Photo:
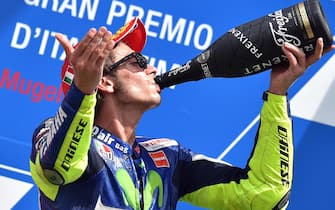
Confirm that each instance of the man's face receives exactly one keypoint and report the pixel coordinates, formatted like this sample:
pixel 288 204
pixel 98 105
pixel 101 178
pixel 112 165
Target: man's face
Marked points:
pixel 134 84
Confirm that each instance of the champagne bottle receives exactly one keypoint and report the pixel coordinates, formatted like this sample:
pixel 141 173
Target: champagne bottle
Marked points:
pixel 255 46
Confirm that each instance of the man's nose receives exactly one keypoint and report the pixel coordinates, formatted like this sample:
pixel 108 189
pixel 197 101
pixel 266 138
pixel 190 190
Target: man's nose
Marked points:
pixel 151 70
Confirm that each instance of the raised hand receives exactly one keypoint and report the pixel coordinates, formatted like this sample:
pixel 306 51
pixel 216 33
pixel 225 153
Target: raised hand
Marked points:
pixel 88 58
pixel 282 77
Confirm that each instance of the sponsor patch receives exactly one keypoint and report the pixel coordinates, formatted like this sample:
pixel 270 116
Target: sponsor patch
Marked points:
pixel 104 150
pixel 156 144
pixel 160 159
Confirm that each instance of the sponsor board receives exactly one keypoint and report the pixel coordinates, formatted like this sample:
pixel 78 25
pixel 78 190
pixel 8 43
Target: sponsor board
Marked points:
pixel 217 117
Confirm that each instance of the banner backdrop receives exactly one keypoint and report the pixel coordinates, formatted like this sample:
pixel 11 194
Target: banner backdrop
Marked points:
pixel 217 117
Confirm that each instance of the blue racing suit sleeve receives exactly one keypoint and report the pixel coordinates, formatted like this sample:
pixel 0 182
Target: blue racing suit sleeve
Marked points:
pixel 61 143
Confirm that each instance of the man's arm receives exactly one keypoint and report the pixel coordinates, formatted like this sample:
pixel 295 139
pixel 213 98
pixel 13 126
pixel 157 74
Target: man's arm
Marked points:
pixel 266 181
pixel 60 145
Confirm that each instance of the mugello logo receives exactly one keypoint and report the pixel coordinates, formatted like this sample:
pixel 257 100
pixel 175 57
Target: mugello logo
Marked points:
pixel 37 91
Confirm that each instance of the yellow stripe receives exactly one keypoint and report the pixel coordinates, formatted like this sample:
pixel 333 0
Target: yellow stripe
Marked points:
pixel 72 158
pixel 50 190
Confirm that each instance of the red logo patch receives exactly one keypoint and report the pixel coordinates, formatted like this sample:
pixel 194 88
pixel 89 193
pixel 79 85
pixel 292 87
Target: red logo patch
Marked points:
pixel 160 159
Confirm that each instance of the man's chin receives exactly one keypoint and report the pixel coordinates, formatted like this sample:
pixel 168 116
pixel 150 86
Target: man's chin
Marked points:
pixel 156 104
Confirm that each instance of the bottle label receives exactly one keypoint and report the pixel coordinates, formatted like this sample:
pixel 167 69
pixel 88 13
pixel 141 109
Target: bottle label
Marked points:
pixel 280 33
pixel 305 20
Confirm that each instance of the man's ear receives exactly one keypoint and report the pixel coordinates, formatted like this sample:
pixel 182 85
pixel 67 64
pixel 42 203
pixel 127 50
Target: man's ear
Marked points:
pixel 106 85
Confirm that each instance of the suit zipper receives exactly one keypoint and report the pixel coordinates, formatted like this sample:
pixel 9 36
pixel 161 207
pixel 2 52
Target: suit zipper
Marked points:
pixel 141 194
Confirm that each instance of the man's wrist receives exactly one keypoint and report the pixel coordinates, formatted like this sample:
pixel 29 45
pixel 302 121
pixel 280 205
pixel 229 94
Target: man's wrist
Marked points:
pixel 277 92
pixel 267 95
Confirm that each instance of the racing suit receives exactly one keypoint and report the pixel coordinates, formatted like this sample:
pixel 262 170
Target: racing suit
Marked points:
pixel 79 165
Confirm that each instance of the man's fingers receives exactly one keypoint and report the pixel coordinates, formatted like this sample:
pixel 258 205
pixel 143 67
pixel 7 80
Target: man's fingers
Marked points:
pixel 65 44
pixel 332 47
pixel 104 48
pixel 92 48
pixel 85 41
pixel 317 53
pixel 291 53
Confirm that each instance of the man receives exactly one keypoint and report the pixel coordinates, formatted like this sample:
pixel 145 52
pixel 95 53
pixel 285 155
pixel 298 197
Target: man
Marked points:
pixel 89 157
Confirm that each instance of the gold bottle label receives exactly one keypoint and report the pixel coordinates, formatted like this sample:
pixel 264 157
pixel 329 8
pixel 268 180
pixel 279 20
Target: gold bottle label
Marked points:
pixel 305 20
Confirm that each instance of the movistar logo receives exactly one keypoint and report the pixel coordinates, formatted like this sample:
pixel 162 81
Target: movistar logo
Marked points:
pixel 132 194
